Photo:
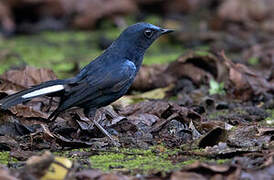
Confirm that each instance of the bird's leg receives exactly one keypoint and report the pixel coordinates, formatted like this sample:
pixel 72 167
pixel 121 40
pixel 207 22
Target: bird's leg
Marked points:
pixel 91 115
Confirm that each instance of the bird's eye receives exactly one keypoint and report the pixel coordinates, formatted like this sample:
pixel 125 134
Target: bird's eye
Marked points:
pixel 148 33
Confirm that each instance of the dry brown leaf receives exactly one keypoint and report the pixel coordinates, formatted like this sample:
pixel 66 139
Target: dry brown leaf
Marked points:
pixel 187 175
pixel 5 175
pixel 148 78
pixel 200 68
pixel 27 112
pixel 205 171
pixel 28 76
pixel 213 137
pixel 243 82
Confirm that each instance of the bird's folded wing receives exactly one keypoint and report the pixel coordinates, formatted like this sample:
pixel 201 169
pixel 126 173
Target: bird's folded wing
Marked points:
pixel 106 82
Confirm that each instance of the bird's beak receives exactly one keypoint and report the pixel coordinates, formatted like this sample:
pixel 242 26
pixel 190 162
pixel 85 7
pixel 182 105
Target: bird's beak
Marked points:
pixel 166 31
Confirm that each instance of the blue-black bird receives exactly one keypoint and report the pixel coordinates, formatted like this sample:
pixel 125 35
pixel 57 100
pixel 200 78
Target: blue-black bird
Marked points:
pixel 103 80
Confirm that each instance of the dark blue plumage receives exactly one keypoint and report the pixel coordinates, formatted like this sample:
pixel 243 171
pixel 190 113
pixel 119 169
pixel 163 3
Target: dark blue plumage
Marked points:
pixel 102 81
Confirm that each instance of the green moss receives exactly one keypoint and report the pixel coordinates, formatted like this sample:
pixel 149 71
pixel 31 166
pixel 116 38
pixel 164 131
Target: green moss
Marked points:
pixel 155 159
pixel 253 61
pixel 132 160
pixel 222 161
pixel 55 50
pixel 184 163
pixel 173 98
pixel 201 53
pixel 5 158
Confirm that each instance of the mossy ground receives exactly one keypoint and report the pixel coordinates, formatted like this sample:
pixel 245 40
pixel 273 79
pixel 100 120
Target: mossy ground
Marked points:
pixel 5 158
pixel 134 161
pixel 155 159
pixel 61 50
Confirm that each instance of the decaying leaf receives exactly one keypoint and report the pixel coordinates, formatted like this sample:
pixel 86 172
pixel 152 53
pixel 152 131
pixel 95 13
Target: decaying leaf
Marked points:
pixel 26 77
pixel 148 78
pixel 159 93
pixel 5 175
pixel 245 136
pixel 8 143
pixel 213 137
pixel 198 67
pixel 243 82
pixel 187 175
pixel 202 171
pixel 27 112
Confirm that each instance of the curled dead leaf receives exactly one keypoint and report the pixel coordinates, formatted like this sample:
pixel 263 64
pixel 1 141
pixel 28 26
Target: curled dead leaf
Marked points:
pixel 243 82
pixel 200 67
pixel 27 112
pixel 199 170
pixel 147 78
pixel 213 137
pixel 25 78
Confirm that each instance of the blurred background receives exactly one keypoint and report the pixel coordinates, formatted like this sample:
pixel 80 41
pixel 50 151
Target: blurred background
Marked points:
pixel 64 35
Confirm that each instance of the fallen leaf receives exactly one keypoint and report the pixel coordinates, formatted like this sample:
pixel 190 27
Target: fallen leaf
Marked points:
pixel 187 175
pixel 7 143
pixel 148 78
pixel 159 93
pixel 28 76
pixel 5 175
pixel 243 82
pixel 27 112
pixel 206 171
pixel 246 136
pixel 198 67
pixel 213 137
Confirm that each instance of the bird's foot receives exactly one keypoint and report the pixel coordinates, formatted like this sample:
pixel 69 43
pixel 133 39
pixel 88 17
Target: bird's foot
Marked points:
pixel 113 141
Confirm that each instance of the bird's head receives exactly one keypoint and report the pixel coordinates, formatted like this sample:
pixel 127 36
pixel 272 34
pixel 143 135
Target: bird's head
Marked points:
pixel 138 37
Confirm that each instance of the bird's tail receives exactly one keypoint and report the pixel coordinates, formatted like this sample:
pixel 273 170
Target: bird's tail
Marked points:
pixel 45 88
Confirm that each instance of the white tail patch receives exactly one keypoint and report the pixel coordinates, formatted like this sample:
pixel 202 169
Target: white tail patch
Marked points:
pixel 43 91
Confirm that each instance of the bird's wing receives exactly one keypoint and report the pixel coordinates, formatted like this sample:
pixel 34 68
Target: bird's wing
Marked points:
pixel 107 81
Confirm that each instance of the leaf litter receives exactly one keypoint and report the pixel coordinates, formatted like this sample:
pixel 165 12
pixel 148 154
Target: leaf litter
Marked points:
pixel 25 128
pixel 206 115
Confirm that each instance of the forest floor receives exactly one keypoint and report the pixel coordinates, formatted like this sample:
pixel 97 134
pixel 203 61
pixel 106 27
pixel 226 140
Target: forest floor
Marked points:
pixel 192 112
